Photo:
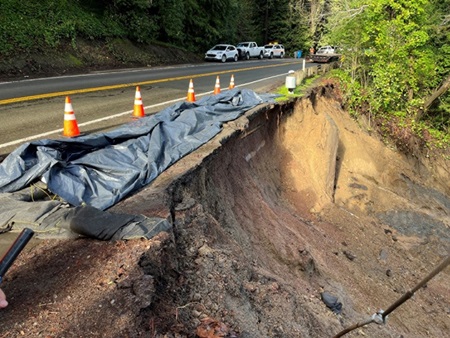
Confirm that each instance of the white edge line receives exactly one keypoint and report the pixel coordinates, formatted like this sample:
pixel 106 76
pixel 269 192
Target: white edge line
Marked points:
pixel 30 138
pixel 96 73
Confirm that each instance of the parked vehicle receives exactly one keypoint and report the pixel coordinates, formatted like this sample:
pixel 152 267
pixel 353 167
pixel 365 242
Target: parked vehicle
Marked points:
pixel 249 50
pixel 326 54
pixel 326 50
pixel 271 51
pixel 222 52
pixel 325 58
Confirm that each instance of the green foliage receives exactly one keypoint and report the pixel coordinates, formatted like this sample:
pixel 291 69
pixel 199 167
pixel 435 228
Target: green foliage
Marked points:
pixel 283 21
pixel 437 139
pixel 398 33
pixel 171 20
pixel 355 101
pixel 395 55
pixel 440 38
pixel 195 25
pixel 298 91
pixel 36 25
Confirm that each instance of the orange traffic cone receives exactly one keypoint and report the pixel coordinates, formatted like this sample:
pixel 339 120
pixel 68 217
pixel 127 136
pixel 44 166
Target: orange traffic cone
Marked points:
pixel 231 82
pixel 217 86
pixel 191 94
pixel 138 110
pixel 70 122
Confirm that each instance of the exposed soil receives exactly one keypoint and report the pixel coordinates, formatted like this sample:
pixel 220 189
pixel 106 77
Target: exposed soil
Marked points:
pixel 265 219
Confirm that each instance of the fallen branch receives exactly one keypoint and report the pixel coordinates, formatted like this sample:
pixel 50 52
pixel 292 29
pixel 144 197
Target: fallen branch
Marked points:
pixel 433 97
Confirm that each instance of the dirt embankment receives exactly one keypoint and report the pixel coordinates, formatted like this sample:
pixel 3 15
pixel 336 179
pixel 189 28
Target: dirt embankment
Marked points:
pixel 89 56
pixel 287 202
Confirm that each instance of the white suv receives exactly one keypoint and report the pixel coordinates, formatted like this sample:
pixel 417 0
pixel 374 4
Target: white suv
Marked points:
pixel 271 51
pixel 222 53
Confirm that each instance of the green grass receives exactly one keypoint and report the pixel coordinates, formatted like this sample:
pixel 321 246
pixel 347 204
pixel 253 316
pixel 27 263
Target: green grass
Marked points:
pixel 299 91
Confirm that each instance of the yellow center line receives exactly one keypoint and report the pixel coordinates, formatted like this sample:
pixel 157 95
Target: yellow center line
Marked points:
pixel 133 84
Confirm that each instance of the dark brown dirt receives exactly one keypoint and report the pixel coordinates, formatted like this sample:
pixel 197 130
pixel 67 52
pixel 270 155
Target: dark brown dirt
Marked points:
pixel 264 220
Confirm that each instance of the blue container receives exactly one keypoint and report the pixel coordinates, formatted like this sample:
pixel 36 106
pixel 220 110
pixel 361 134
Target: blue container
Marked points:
pixel 299 54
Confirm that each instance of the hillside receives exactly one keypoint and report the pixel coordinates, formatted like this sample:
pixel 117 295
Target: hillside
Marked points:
pixel 89 56
pixel 289 201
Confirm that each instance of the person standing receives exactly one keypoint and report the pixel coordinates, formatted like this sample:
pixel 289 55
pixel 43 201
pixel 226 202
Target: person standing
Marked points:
pixel 311 52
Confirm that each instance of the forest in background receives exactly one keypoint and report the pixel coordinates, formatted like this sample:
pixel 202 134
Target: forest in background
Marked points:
pixel 395 62
pixel 195 25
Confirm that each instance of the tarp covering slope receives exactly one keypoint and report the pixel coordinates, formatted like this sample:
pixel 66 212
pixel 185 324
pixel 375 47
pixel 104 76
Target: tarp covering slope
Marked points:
pixel 101 169
pixel 51 218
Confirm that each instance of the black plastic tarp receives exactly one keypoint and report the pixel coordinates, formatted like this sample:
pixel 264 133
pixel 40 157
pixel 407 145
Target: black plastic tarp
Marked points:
pixel 51 218
pixel 99 170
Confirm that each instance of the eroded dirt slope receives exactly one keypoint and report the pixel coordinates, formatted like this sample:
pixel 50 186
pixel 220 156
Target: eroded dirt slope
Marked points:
pixel 289 201
pixel 271 194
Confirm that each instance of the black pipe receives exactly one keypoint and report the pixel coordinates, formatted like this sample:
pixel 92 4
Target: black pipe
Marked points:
pixel 14 251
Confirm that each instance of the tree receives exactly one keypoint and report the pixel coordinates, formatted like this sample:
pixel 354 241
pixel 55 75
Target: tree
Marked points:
pixel 136 16
pixel 437 106
pixel 170 17
pixel 393 39
pixel 316 12
pixel 434 96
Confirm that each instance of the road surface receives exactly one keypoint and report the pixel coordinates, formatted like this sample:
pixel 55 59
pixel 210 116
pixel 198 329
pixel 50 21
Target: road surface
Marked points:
pixel 33 109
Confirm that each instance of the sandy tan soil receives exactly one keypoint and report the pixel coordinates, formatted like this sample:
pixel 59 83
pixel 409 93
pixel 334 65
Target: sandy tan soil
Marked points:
pixel 287 202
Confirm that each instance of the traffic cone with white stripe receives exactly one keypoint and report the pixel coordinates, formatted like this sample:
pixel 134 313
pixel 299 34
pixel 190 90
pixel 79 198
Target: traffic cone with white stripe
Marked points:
pixel 138 110
pixel 70 122
pixel 231 82
pixel 191 94
pixel 217 86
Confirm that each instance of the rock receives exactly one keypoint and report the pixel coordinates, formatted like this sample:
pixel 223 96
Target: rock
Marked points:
pixel 383 254
pixel 331 302
pixel 205 250
pixel 349 255
pixel 196 297
pixel 211 328
pixel 144 289
pixel 250 287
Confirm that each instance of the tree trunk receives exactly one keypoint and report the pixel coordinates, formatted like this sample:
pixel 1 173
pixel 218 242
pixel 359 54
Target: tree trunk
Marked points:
pixel 438 92
pixel 266 23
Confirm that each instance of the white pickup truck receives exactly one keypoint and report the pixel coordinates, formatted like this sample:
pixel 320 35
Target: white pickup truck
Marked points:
pixel 249 50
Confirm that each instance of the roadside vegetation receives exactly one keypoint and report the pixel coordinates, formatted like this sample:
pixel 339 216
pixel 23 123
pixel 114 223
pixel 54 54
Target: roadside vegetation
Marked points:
pixel 299 91
pixel 194 25
pixel 395 65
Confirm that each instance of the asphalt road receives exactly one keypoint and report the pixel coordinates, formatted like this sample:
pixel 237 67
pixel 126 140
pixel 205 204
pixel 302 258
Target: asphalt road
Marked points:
pixel 33 109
